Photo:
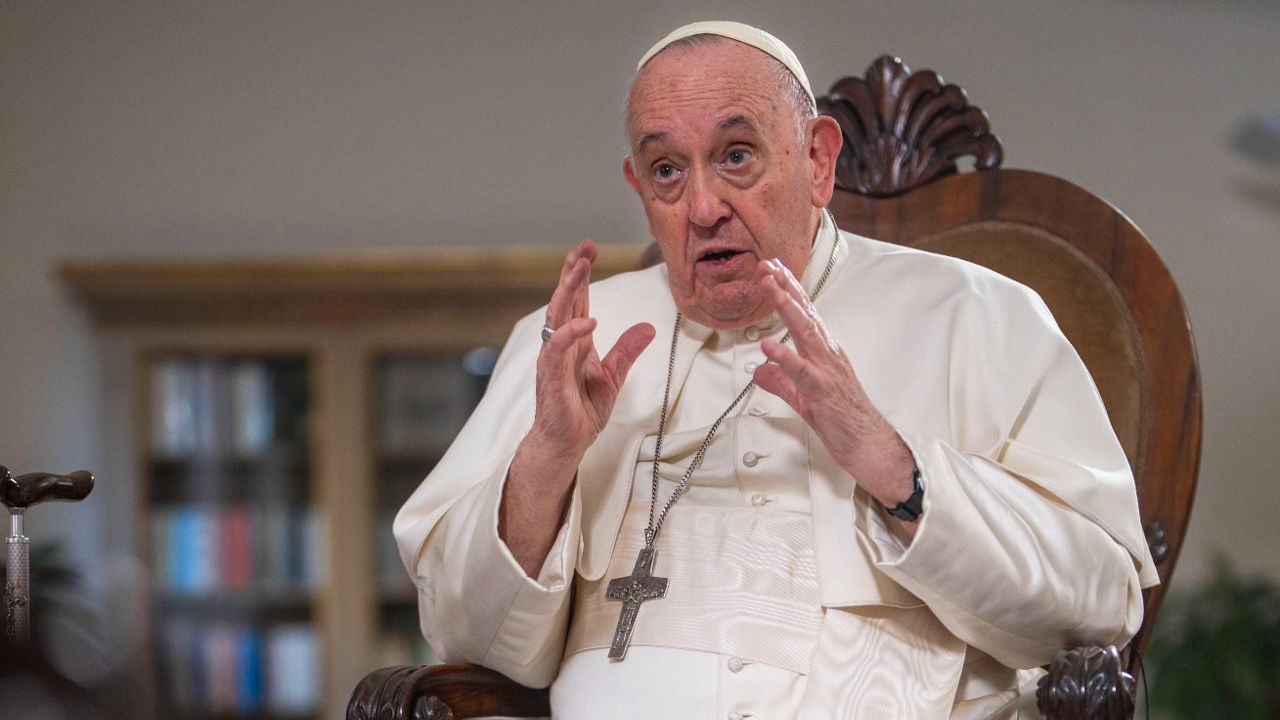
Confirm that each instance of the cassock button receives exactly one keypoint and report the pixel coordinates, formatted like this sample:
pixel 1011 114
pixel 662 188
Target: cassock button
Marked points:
pixel 751 367
pixel 750 459
pixel 736 664
pixel 758 500
pixel 756 411
pixel 752 333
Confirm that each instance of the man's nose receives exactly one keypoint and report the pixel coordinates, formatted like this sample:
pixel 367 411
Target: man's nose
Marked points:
pixel 707 205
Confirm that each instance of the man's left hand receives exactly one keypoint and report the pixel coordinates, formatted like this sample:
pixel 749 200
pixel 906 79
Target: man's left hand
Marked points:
pixel 817 380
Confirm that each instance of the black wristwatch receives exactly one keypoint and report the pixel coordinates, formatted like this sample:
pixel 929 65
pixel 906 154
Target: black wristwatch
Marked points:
pixel 910 509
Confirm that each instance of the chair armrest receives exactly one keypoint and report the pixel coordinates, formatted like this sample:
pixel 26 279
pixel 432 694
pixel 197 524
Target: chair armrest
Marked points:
pixel 443 692
pixel 1086 683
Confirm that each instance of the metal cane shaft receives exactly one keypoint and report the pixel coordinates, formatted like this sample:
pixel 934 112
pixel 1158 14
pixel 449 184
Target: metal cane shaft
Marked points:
pixel 17 595
pixel 18 494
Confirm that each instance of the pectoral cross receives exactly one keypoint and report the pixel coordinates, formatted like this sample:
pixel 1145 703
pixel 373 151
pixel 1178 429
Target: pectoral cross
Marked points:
pixel 632 590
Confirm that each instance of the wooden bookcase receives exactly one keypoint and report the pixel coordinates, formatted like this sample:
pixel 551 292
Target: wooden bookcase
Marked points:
pixel 324 389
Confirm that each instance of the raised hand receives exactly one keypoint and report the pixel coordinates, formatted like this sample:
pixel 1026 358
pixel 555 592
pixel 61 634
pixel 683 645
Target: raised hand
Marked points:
pixel 817 380
pixel 576 392
pixel 576 389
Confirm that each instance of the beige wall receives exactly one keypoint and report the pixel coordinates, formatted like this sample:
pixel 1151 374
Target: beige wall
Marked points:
pixel 235 128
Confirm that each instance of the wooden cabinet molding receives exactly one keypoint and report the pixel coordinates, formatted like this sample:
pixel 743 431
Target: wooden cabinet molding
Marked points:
pixel 341 288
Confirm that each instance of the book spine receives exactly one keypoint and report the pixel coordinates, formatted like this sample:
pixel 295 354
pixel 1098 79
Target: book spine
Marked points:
pixel 236 549
pixel 174 408
pixel 250 686
pixel 292 669
pixel 252 409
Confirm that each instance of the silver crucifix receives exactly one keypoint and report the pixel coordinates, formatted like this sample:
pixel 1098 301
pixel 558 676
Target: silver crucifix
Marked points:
pixel 632 590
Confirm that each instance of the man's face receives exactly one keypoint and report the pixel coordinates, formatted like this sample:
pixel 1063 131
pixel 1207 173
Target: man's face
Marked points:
pixel 723 164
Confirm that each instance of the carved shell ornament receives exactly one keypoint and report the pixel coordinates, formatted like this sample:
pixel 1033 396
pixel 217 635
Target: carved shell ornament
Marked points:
pixel 903 129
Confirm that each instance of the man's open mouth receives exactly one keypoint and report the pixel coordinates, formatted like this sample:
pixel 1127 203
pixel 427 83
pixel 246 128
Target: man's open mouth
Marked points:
pixel 718 257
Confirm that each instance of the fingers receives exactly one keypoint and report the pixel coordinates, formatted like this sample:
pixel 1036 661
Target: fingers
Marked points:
pixel 569 299
pixel 587 251
pixel 799 371
pixel 562 345
pixel 618 361
pixel 787 296
pixel 561 307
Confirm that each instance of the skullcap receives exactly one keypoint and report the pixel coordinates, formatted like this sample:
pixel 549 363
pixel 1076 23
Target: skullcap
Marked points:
pixel 755 37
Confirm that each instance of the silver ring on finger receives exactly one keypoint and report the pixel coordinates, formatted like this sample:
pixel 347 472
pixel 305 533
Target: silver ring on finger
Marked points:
pixel 546 333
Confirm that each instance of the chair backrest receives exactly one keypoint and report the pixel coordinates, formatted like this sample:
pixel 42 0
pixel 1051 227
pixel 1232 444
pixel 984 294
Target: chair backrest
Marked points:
pixel 898 181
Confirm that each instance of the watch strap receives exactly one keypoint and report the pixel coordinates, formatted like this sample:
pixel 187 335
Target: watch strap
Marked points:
pixel 910 509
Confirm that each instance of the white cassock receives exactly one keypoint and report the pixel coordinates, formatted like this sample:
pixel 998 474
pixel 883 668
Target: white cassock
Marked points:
pixel 789 594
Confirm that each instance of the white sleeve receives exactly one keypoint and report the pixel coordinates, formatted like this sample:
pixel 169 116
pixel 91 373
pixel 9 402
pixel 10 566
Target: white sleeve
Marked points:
pixel 477 604
pixel 1007 568
pixel 1026 542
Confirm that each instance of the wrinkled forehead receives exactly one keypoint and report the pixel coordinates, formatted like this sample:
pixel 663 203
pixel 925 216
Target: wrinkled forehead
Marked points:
pixel 703 79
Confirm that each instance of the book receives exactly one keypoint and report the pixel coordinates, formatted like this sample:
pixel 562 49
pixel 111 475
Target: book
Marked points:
pixel 222 659
pixel 252 408
pixel 273 544
pixel 292 669
pixel 314 549
pixel 250 696
pixel 203 557
pixel 174 407
pixel 212 408
pixel 180 669
pixel 236 551
pixel 161 548
pixel 181 544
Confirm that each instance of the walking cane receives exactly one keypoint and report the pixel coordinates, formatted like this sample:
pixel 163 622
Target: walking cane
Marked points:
pixel 18 494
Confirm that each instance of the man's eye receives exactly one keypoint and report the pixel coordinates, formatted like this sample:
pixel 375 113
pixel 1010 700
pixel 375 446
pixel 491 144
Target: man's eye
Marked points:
pixel 664 172
pixel 737 156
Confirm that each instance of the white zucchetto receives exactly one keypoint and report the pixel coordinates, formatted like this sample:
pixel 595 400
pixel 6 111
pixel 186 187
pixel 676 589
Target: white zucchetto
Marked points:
pixel 755 37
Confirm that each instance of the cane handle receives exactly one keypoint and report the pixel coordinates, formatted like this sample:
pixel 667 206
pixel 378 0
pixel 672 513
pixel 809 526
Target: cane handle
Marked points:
pixel 23 491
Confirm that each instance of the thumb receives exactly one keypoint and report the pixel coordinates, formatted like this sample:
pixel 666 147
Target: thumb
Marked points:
pixel 617 363
pixel 770 378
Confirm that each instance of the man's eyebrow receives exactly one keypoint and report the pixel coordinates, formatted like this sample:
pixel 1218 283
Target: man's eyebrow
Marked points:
pixel 656 136
pixel 738 121
pixel 733 121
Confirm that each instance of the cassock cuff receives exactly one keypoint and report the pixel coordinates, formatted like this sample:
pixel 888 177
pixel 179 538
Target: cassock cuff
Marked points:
pixel 890 545
pixel 557 568
pixel 949 519
pixel 1051 577
pixel 534 601
pixel 482 575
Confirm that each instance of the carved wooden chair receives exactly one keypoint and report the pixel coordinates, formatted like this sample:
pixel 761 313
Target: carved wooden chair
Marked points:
pixel 898 181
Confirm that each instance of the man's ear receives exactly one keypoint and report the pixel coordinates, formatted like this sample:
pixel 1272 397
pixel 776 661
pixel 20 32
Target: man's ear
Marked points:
pixel 825 140
pixel 629 173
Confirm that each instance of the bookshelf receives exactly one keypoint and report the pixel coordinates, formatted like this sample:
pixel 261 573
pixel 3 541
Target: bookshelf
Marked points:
pixel 421 402
pixel 265 419
pixel 236 540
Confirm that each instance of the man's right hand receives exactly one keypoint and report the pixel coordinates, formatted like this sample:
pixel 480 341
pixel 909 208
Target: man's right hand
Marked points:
pixel 576 391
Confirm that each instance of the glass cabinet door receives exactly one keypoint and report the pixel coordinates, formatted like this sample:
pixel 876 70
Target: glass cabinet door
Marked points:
pixel 421 402
pixel 236 541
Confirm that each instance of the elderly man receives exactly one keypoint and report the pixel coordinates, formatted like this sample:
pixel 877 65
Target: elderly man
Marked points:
pixel 849 480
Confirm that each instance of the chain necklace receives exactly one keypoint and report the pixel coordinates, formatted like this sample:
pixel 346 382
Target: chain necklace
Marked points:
pixel 655 525
pixel 641 584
